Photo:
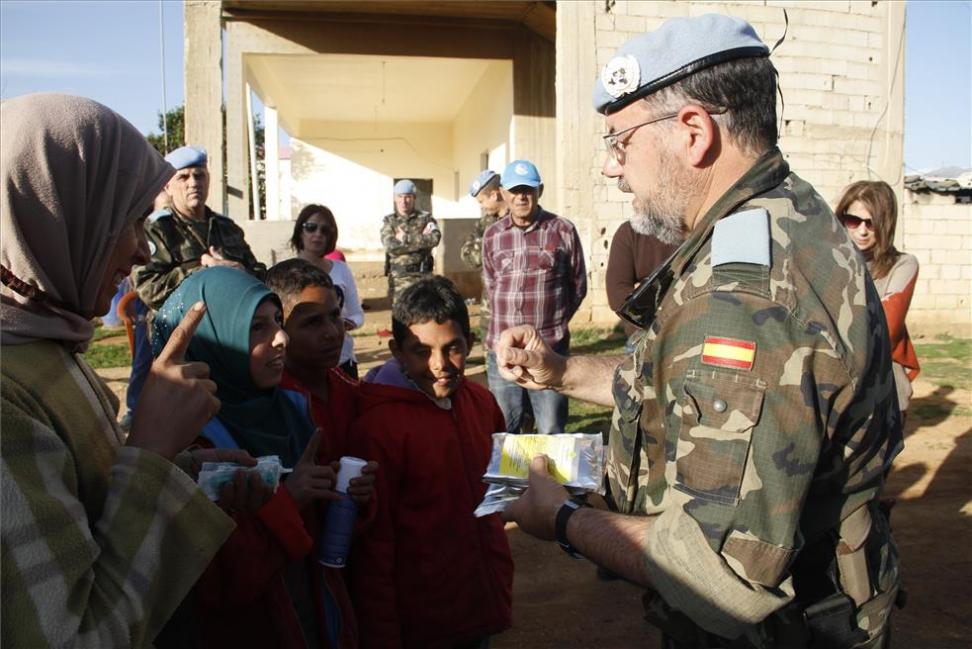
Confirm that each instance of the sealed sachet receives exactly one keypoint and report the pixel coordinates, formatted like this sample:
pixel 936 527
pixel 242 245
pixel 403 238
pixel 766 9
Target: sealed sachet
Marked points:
pixel 214 475
pixel 574 460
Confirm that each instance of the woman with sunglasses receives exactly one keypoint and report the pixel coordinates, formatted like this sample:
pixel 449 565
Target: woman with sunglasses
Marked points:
pixel 315 236
pixel 869 211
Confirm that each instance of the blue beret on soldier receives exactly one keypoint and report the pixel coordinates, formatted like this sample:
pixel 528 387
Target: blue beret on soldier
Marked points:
pixel 481 181
pixel 404 186
pixel 187 156
pixel 679 48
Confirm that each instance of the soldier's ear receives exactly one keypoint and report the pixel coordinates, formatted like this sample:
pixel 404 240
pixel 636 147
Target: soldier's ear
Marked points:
pixel 540 191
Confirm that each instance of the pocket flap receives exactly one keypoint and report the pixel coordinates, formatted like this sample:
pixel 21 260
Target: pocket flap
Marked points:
pixel 730 403
pixel 756 560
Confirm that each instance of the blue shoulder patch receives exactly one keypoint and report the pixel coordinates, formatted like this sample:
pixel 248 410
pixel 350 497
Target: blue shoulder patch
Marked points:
pixel 742 238
pixel 158 214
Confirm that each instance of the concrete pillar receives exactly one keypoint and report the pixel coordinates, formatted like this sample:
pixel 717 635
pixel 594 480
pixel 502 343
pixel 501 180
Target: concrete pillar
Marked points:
pixel 204 90
pixel 237 193
pixel 271 161
pixel 533 128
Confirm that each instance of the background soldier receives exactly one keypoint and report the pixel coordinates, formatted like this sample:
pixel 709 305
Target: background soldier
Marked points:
pixel 757 417
pixel 189 235
pixel 408 235
pixel 486 190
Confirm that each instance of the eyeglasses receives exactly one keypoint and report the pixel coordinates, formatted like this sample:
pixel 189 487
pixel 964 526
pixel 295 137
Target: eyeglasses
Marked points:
pixel 853 222
pixel 311 228
pixel 617 148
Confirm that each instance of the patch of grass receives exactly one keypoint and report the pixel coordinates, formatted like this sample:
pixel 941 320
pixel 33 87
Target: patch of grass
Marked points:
pixel 107 332
pixel 587 418
pixel 947 362
pixel 597 342
pixel 108 355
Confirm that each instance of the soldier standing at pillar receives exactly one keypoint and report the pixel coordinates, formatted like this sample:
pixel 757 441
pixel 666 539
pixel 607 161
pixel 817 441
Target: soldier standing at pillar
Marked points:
pixel 408 235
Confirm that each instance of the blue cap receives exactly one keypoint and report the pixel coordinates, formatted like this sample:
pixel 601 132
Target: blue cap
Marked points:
pixel 519 173
pixel 680 47
pixel 187 156
pixel 481 181
pixel 404 186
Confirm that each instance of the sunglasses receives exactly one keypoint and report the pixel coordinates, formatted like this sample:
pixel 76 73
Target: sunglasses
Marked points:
pixel 640 307
pixel 311 228
pixel 853 222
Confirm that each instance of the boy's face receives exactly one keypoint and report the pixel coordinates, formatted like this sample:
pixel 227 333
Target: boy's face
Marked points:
pixel 316 329
pixel 434 356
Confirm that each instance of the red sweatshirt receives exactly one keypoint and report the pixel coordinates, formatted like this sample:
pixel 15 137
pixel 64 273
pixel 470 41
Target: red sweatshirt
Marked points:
pixel 426 572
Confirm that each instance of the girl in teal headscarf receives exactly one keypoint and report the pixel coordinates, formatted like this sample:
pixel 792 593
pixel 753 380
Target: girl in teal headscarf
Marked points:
pixel 267 562
pixel 239 310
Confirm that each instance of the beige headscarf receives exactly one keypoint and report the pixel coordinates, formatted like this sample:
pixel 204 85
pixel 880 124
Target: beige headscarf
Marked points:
pixel 73 173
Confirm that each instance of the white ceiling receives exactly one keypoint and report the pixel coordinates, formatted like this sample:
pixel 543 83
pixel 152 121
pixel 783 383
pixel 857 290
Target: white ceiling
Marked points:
pixel 348 87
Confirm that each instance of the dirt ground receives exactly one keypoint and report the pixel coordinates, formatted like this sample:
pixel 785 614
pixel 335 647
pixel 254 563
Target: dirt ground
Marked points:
pixel 560 603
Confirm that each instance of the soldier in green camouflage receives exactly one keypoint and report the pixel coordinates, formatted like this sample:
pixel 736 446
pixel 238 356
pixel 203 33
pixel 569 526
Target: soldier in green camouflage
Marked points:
pixel 756 420
pixel 408 235
pixel 486 190
pixel 189 236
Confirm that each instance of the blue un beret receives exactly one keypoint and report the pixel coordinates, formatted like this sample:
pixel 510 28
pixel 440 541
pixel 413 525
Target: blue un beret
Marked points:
pixel 680 47
pixel 404 186
pixel 481 181
pixel 187 156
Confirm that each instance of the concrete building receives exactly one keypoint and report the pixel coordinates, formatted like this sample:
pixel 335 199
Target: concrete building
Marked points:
pixel 372 91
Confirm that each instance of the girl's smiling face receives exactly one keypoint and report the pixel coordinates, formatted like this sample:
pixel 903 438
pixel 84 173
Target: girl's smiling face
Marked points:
pixel 268 343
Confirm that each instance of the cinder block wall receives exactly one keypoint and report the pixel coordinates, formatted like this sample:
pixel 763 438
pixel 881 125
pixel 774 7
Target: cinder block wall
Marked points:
pixel 938 231
pixel 841 74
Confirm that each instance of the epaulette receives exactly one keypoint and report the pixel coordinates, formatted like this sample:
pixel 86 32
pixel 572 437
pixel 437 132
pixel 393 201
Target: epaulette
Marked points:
pixel 158 214
pixel 742 238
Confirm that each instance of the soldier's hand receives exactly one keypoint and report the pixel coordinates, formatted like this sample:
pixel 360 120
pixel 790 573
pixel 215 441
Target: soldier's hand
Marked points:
pixel 522 356
pixel 178 398
pixel 535 512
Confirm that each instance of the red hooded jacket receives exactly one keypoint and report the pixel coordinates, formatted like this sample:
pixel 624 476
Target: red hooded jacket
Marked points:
pixel 426 572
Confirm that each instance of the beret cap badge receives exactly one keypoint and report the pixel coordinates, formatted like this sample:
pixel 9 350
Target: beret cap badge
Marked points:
pixel 621 76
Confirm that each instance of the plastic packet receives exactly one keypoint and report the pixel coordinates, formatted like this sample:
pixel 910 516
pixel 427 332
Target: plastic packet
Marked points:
pixel 213 475
pixel 575 460
pixel 499 495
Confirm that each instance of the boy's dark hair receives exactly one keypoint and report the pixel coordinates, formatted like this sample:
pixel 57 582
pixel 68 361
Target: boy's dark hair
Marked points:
pixel 288 278
pixel 435 298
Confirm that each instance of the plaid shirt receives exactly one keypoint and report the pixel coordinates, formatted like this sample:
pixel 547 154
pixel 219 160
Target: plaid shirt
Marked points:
pixel 533 275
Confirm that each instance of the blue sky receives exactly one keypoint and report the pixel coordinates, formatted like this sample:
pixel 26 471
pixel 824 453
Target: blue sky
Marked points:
pixel 110 51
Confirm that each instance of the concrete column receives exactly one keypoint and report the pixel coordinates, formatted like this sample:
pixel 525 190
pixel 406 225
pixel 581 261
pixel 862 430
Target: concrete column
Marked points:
pixel 271 161
pixel 578 154
pixel 533 129
pixel 237 193
pixel 204 90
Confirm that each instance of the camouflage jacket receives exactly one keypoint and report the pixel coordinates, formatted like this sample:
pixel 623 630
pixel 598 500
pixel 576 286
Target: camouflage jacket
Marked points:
pixel 757 418
pixel 472 248
pixel 177 245
pixel 409 240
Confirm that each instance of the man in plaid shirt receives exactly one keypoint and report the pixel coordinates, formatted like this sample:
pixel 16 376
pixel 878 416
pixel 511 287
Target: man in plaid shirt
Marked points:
pixel 533 268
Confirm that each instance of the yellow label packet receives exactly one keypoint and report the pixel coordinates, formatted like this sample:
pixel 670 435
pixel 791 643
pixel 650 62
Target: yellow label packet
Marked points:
pixel 519 450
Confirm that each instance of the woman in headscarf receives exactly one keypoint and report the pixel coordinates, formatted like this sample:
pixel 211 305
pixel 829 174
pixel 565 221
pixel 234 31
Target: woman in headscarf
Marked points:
pixel 265 587
pixel 102 536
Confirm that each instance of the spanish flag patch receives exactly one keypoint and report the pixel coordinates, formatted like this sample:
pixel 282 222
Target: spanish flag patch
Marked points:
pixel 728 352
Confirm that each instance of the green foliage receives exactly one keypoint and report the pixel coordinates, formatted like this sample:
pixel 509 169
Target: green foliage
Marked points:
pixel 175 120
pixel 947 362
pixel 102 332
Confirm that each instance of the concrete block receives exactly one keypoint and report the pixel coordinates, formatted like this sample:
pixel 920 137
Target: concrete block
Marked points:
pixel 604 22
pixel 631 24
pixel 949 272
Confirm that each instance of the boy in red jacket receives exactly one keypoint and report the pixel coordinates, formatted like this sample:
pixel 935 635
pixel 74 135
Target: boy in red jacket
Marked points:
pixel 426 572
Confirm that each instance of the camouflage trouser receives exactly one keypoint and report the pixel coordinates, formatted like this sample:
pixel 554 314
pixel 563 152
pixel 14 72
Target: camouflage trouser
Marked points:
pixel 399 281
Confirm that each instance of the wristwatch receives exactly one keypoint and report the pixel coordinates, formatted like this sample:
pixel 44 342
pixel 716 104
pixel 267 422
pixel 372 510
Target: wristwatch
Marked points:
pixel 567 510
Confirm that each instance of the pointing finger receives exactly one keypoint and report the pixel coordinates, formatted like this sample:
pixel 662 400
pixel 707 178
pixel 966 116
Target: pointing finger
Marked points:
pixel 175 350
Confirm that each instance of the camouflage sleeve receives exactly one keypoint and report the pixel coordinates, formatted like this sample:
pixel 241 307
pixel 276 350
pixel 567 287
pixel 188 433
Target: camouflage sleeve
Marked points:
pixel 747 391
pixel 162 275
pixel 389 237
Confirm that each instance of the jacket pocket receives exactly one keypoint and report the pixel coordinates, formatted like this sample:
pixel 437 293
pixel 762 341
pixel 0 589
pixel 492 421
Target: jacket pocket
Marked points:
pixel 719 412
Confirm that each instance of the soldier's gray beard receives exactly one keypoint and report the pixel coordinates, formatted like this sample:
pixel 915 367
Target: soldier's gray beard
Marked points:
pixel 663 215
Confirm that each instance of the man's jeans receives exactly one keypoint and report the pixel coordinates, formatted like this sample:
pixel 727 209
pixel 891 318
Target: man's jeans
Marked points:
pixel 549 407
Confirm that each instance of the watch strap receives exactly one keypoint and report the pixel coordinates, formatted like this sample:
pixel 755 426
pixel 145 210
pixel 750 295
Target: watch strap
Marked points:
pixel 567 510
